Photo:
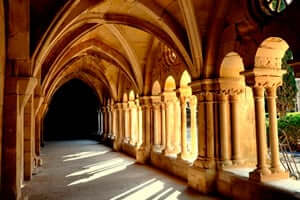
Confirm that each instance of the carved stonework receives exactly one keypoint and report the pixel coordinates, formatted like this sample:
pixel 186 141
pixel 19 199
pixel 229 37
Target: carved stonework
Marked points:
pixel 267 62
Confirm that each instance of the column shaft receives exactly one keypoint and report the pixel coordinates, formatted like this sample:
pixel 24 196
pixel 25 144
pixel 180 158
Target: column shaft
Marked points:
pixel 224 128
pixel 275 163
pixel 183 130
pixel 235 127
pixel 261 144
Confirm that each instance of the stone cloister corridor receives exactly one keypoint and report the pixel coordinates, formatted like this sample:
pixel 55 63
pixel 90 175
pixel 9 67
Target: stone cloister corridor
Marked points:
pixel 184 86
pixel 84 169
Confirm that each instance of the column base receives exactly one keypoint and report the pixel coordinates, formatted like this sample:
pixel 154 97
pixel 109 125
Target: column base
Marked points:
pixel 259 175
pixel 224 163
pixel 202 180
pixel 205 163
pixel 126 140
pixel 157 148
pixel 142 155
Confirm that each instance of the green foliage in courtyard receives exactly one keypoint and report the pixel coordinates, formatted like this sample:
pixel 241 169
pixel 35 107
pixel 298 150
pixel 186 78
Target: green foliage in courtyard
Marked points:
pixel 288 91
pixel 290 124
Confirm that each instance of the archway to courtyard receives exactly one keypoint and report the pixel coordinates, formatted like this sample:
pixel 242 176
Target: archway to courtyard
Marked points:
pixel 73 113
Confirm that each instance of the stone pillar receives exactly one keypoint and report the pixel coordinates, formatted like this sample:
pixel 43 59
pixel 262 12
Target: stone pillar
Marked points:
pixel 235 129
pixel 143 151
pixel 105 121
pixel 126 123
pixel 184 153
pixel 201 129
pixel 157 140
pixel 120 132
pixel 261 143
pixel 193 105
pixel 28 139
pixel 38 135
pixel 110 119
pixel 169 127
pixel 140 124
pixel 133 123
pixel 273 133
pixel 210 138
pixel 224 129
pixel 163 125
pixel 177 127
pixel 202 175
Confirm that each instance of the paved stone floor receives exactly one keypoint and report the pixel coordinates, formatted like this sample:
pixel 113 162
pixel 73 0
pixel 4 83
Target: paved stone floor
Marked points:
pixel 86 170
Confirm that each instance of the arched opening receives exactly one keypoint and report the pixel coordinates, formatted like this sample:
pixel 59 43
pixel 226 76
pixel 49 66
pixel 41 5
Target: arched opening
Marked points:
pixel 73 113
pixel 170 84
pixel 188 119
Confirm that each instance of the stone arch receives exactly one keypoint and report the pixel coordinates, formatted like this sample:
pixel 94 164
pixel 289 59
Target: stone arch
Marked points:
pixel 131 95
pixel 231 66
pixel 156 88
pixel 270 52
pixel 170 84
pixel 125 97
pixel 185 79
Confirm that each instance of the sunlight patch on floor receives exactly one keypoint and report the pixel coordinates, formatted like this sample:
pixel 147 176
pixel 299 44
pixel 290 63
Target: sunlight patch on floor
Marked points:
pixel 152 189
pixel 83 155
pixel 101 169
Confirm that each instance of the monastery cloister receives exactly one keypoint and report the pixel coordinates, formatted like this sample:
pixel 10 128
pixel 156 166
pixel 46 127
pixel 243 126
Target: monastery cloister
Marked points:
pixel 181 84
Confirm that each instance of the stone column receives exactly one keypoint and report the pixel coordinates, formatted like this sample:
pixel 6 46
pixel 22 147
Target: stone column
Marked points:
pixel 201 130
pixel 169 127
pixel 177 127
pixel 163 125
pixel 28 139
pixel 235 130
pixel 210 138
pixel 133 123
pixel 193 105
pixel 120 135
pixel 126 123
pixel 224 129
pixel 143 150
pixel 114 122
pixel 104 112
pixel 184 152
pixel 273 133
pixel 261 143
pixel 140 138
pixel 157 140
pixel 110 120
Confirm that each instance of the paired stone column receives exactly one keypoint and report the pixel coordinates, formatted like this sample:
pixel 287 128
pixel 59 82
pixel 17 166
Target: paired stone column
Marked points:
pixel 261 78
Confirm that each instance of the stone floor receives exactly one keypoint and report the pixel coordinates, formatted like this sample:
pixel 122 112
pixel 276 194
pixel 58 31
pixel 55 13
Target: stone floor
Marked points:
pixel 86 170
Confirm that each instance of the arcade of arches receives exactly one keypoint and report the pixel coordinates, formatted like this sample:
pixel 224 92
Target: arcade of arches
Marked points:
pixel 181 84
